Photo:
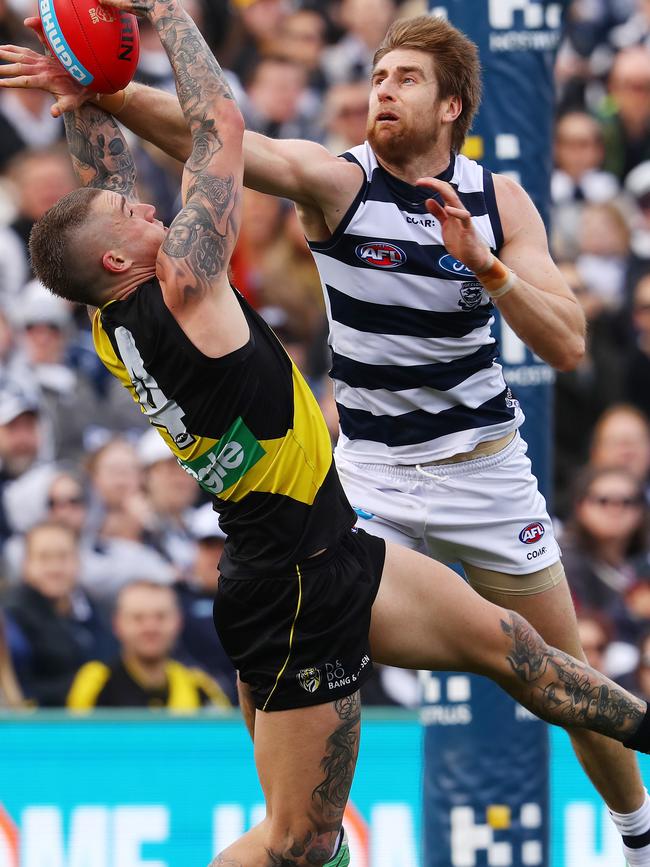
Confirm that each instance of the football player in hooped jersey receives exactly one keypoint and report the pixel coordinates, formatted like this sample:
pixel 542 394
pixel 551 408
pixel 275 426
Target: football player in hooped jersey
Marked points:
pixel 414 247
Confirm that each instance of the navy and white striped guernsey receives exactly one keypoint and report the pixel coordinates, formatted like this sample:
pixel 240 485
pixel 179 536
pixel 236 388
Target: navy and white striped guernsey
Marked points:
pixel 414 362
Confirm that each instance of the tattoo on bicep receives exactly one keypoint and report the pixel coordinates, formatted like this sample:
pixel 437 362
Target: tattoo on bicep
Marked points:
pixel 205 144
pixel 99 152
pixel 217 191
pixel 565 691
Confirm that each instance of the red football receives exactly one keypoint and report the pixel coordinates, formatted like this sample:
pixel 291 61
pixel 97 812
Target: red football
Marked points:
pixel 97 45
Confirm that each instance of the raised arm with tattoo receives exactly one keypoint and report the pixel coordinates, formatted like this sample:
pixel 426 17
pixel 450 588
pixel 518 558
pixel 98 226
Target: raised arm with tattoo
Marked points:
pixel 100 154
pixel 196 252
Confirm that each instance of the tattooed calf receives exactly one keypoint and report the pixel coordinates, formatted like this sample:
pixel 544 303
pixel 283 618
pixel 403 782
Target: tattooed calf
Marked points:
pixel 565 691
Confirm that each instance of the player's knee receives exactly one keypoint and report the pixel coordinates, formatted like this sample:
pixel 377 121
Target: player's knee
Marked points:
pixel 513 645
pixel 303 844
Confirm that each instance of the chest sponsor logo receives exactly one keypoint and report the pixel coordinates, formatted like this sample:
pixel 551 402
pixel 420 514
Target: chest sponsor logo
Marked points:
pixel 309 679
pixel 227 461
pixel 452 265
pixel 471 295
pixel 531 533
pixel 379 254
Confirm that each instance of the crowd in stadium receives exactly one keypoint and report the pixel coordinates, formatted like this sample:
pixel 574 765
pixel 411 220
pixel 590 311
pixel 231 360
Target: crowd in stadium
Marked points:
pixel 109 552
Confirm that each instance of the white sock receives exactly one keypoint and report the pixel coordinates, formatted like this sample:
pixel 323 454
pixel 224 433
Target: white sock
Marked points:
pixel 635 830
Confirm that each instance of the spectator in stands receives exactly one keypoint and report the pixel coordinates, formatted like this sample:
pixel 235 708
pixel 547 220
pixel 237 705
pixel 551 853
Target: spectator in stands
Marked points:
pixel 26 122
pixel 621 438
pixel 626 122
pixel 59 628
pixel 66 504
pixel 603 252
pixel 259 22
pixel 637 185
pixel 39 178
pixel 66 396
pixel 607 530
pixel 119 517
pixel 278 103
pixel 636 387
pixel 10 692
pixel 198 641
pixel 365 23
pixel 147 623
pixel 638 681
pixel 24 473
pixel 581 395
pixel 345 116
pixel 579 154
pixel 170 493
pixel 596 632
pixel 577 178
pixel 302 40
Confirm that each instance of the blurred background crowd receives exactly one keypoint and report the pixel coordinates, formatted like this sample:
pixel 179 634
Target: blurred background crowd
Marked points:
pixel 108 552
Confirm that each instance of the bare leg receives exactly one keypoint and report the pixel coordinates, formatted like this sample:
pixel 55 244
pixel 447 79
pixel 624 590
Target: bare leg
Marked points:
pixel 612 769
pixel 247 706
pixel 424 616
pixel 305 760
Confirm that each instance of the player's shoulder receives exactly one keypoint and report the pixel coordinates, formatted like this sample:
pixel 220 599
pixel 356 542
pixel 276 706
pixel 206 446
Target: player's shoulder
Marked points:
pixel 515 206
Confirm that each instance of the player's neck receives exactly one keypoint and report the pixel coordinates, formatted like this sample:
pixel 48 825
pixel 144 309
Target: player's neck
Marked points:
pixel 412 169
pixel 128 283
pixel 151 673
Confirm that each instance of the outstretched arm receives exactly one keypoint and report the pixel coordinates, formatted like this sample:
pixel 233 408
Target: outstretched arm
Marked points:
pixel 299 170
pixel 193 260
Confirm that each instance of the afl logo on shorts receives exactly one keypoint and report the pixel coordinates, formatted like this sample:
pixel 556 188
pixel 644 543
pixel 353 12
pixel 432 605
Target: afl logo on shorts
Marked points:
pixel 531 533
pixel 452 265
pixel 309 679
pixel 379 254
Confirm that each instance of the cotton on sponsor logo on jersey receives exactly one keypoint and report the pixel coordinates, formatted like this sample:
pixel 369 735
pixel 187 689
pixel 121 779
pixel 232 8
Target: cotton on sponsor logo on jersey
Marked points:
pixel 380 254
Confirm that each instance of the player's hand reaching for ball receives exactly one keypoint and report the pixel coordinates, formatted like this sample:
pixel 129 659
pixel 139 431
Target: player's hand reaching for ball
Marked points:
pixel 141 8
pixel 458 233
pixel 26 68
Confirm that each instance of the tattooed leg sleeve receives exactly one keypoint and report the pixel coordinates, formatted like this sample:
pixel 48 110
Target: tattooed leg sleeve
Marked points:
pixel 564 691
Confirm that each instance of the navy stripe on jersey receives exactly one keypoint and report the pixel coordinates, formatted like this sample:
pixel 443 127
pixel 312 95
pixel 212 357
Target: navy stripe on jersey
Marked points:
pixel 493 211
pixel 421 260
pixel 392 319
pixel 420 426
pixel 441 375
pixel 387 188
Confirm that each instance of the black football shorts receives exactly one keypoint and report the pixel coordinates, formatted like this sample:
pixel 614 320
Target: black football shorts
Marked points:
pixel 302 639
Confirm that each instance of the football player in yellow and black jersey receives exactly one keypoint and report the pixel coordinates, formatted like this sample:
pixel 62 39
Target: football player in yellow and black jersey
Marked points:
pixel 298 584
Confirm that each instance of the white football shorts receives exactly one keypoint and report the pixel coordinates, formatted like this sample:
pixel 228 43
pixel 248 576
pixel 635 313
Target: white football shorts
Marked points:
pixel 486 512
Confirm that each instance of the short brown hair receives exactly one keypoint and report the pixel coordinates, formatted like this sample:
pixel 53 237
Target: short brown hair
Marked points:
pixel 457 65
pixel 51 247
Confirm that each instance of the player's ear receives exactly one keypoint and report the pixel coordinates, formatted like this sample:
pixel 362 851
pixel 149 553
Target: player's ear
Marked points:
pixel 115 262
pixel 454 106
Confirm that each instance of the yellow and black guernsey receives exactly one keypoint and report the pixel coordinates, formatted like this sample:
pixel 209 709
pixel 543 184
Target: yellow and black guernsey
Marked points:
pixel 246 426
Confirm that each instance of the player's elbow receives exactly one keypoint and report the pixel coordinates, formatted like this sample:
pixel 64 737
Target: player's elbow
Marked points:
pixel 570 354
pixel 231 120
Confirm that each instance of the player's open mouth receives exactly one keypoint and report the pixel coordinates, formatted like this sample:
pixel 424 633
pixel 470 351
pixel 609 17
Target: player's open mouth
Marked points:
pixel 386 115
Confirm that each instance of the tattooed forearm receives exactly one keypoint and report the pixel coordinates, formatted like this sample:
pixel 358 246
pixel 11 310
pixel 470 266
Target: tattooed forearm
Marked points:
pixel 340 759
pixel 565 691
pixel 100 154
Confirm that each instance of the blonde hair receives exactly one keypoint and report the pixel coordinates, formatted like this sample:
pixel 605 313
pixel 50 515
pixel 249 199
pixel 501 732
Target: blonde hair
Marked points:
pixel 457 65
